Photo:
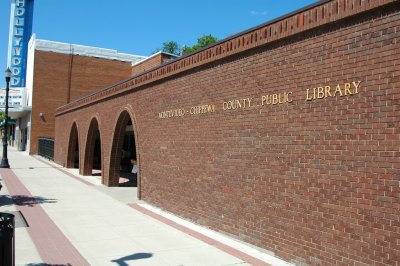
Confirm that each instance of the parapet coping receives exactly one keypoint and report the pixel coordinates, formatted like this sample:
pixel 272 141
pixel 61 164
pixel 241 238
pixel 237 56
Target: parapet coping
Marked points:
pixel 152 56
pixel 309 17
pixel 90 51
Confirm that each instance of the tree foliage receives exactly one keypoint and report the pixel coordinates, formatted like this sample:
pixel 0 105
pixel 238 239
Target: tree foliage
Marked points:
pixel 202 42
pixel 170 47
pixel 173 47
pixel 2 116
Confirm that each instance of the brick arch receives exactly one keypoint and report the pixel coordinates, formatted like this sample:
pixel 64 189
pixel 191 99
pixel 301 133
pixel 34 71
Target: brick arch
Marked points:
pixel 129 109
pixel 116 146
pixel 73 140
pixel 89 148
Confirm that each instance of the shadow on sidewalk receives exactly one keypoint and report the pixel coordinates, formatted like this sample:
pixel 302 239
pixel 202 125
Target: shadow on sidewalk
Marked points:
pixel 37 167
pixel 136 256
pixel 22 200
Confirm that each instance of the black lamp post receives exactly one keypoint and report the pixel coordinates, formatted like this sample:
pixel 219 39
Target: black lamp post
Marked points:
pixel 4 159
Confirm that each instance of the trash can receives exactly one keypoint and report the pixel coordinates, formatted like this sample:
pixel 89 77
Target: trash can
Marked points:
pixel 7 239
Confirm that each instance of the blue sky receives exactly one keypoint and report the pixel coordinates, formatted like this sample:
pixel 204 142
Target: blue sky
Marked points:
pixel 140 27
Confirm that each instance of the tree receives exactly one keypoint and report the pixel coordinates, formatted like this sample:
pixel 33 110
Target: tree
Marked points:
pixel 170 47
pixel 173 47
pixel 206 40
pixel 2 116
pixel 202 42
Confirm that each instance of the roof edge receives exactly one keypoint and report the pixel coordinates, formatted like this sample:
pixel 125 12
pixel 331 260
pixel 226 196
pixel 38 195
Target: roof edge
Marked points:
pixel 83 50
pixel 301 20
pixel 154 55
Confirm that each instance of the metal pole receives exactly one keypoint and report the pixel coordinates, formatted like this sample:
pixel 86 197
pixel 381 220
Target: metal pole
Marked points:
pixel 4 159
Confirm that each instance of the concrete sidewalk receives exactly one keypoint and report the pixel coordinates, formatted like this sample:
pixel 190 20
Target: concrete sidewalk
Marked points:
pixel 74 220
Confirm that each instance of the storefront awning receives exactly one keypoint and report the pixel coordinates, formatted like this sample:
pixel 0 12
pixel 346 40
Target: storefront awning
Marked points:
pixel 10 122
pixel 17 111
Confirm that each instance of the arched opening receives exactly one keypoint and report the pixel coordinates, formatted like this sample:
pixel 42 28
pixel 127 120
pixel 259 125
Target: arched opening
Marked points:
pixel 93 159
pixel 97 161
pixel 128 158
pixel 73 148
pixel 123 154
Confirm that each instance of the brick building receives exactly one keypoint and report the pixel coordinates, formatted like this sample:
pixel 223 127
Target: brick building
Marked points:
pixel 58 73
pixel 285 136
pixel 152 61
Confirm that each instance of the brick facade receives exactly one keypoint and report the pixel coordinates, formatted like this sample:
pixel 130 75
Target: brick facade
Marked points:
pixel 285 136
pixel 151 62
pixel 61 78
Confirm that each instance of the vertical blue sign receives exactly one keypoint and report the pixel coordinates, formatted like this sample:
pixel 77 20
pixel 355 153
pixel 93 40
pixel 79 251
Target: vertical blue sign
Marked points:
pixel 20 33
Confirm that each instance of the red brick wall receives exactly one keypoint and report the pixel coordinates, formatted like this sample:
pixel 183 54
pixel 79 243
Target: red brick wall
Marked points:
pixel 150 63
pixel 315 181
pixel 51 85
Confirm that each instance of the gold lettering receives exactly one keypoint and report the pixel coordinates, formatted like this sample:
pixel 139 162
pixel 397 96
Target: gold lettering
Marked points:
pixel 287 97
pixel 274 99
pixel 308 98
pixel 270 99
pixel 230 105
pixel 315 95
pixel 203 109
pixel 338 90
pixel 249 101
pixel 356 85
pixel 238 104
pixel 263 100
pixel 172 113
pixel 328 91
pixel 347 89
pixel 321 93
pixel 279 99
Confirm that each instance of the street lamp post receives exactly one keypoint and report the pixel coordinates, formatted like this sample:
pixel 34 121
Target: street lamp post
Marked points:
pixel 4 159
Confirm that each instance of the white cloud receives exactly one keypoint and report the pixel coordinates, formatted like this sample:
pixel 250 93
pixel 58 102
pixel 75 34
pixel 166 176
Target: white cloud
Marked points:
pixel 258 13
